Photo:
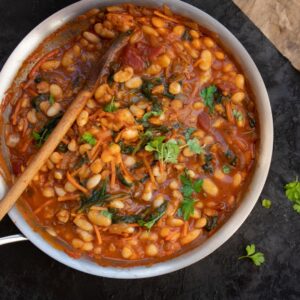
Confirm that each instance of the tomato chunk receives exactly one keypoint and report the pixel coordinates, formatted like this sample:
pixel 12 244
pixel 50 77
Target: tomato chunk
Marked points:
pixel 132 58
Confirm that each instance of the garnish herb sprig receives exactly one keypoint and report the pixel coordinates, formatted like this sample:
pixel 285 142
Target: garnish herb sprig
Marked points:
pixel 257 258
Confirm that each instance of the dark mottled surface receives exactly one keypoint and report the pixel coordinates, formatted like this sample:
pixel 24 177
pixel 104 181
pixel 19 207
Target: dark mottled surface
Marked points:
pixel 27 273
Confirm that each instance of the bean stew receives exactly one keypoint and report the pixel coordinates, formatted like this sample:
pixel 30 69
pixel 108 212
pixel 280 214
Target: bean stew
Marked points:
pixel 161 154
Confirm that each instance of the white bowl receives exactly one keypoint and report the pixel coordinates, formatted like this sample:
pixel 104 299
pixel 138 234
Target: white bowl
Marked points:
pixel 37 35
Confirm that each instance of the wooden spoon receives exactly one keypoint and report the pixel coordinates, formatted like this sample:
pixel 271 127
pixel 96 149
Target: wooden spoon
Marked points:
pixel 94 79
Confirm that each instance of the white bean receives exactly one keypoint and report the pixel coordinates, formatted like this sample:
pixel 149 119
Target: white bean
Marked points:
pixel 93 181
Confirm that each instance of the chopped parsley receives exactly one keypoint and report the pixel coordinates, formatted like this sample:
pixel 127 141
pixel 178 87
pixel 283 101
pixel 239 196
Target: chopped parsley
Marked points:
pixel 189 187
pixel 210 95
pixel 257 258
pixel 166 152
pixel 188 133
pixel 292 192
pixel 226 169
pixel 238 115
pixel 51 99
pixel 110 107
pixel 88 138
pixel 194 143
pixel 106 213
pixel 194 146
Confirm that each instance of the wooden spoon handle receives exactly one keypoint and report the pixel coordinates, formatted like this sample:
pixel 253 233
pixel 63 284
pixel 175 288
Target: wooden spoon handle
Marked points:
pixel 41 157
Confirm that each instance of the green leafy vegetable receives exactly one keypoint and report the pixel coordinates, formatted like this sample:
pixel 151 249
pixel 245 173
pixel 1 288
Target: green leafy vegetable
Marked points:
pixel 106 213
pixel 98 197
pixel 292 192
pixel 150 114
pixel 186 208
pixel 148 85
pixel 266 203
pixel 197 186
pixel 194 146
pixel 207 95
pixel 226 169
pixel 146 219
pixel 257 258
pixel 36 101
pixel 125 218
pixel 122 179
pixel 38 79
pixel 251 120
pixel 113 68
pixel 186 36
pixel 87 137
pixel 51 99
pixel 208 167
pixel 167 94
pixel 188 133
pixel 110 107
pixel 151 219
pixel 81 161
pixel 238 115
pixel 62 147
pixel 232 158
pixel 167 152
pixel 212 222
pixel 126 149
pixel 41 136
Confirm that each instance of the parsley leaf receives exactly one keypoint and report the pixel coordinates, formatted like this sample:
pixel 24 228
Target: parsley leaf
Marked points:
pixel 194 143
pixel 292 192
pixel 36 136
pixel 88 138
pixel 171 152
pixel 106 213
pixel 207 95
pixel 266 203
pixel 197 186
pixel 51 99
pixel 150 114
pixel 194 146
pixel 110 107
pixel 167 152
pixel 186 208
pixel 226 169
pixel 257 258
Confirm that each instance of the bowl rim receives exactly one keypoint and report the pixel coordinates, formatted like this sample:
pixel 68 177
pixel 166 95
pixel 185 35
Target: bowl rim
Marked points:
pixel 52 23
